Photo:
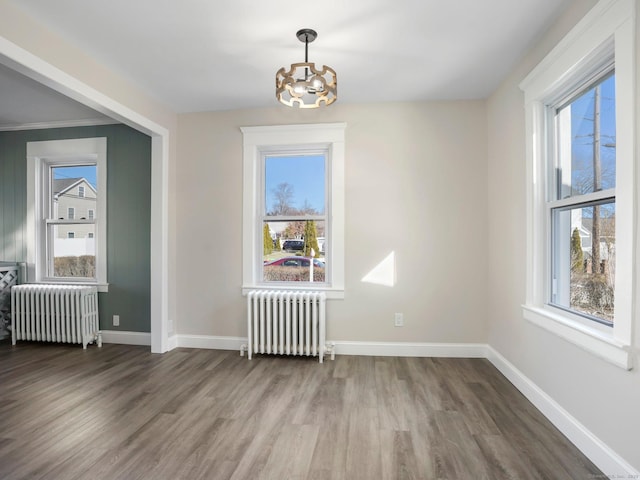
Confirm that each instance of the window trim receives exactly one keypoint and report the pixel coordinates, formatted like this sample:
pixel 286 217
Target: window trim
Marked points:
pixel 264 139
pixel 39 156
pixel 608 30
pixel 71 213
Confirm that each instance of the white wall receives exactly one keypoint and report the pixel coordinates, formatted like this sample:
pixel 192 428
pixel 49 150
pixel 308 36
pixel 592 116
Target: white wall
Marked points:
pixel 604 398
pixel 415 185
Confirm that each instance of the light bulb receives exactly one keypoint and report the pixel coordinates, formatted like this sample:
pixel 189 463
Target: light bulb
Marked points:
pixel 300 88
pixel 316 84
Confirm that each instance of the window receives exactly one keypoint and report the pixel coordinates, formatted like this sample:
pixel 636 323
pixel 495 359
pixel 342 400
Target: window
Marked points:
pixel 55 253
pixel 580 167
pixel 582 201
pixel 293 217
pixel 91 214
pixel 80 191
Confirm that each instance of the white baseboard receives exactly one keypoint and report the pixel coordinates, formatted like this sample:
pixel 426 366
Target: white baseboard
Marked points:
pixel 388 349
pixel 596 450
pixel 404 349
pixel 210 342
pixel 126 338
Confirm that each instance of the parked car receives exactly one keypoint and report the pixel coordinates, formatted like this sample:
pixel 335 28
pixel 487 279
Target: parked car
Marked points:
pixel 293 245
pixel 295 262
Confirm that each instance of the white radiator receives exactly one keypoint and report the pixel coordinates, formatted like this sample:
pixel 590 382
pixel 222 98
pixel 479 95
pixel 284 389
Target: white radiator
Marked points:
pixel 55 313
pixel 286 323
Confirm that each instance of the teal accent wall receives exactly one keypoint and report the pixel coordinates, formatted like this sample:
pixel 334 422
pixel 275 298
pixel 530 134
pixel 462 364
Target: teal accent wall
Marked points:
pixel 128 215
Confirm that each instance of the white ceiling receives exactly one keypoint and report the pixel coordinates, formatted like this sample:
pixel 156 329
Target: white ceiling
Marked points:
pixel 25 103
pixel 201 55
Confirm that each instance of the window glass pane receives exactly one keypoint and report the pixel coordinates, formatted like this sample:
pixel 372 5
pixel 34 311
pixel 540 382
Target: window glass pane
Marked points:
pixel 67 201
pixel 293 250
pixel 294 185
pixel 584 260
pixel 73 255
pixel 587 141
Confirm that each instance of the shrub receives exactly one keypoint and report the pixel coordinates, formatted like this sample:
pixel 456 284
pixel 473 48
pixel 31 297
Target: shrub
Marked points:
pixel 83 266
pixel 267 240
pixel 599 292
pixel 277 273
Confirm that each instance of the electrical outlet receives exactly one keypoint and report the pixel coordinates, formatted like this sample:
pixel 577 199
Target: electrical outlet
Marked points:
pixel 399 320
pixel 116 320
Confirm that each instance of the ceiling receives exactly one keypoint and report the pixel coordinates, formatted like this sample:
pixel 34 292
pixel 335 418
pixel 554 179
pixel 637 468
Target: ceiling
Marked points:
pixel 205 55
pixel 25 103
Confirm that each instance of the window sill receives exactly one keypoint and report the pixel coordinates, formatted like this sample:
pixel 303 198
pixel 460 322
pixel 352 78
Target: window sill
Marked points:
pixel 599 343
pixel 332 294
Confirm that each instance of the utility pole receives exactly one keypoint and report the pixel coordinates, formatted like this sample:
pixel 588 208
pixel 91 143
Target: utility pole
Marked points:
pixel 597 183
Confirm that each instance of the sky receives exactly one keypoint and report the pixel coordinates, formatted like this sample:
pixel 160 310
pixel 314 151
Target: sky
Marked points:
pixel 88 172
pixel 305 173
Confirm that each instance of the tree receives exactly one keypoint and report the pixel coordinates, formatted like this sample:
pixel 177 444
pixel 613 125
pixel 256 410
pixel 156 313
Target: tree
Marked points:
pixel 267 240
pixel 577 257
pixel 294 229
pixel 311 239
pixel 283 194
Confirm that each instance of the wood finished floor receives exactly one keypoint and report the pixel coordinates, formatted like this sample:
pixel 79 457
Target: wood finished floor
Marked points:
pixel 120 412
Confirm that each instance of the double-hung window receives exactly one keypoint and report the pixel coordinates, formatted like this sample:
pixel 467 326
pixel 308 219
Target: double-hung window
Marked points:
pixel 294 216
pixel 582 200
pixel 293 208
pixel 580 181
pixel 67 229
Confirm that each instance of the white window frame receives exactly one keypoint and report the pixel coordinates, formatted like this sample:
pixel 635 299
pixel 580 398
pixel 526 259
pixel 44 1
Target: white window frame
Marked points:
pixel 80 191
pixel 40 157
pixel 297 151
pixel 71 234
pixel 258 141
pixel 607 30
pixel 71 213
pixel 91 214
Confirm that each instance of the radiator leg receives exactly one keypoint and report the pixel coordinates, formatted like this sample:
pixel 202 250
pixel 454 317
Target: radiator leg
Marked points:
pixel 99 339
pixel 331 348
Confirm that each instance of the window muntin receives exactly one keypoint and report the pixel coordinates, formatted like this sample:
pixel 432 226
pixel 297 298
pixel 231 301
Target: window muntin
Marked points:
pixel 582 207
pixel 293 216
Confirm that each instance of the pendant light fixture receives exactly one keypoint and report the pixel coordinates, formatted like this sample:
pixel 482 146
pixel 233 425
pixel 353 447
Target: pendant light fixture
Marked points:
pixel 303 85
